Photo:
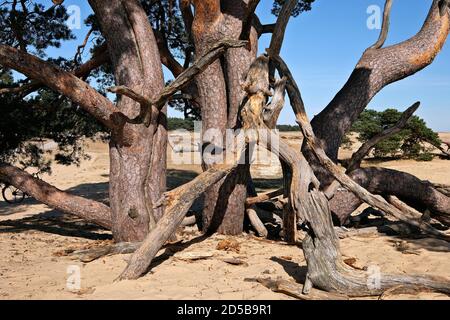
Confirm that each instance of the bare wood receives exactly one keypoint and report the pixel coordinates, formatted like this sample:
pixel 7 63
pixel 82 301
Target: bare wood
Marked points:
pixel 264 197
pixel 86 209
pixel 272 111
pixel 326 269
pixel 295 290
pixel 375 70
pixel 92 254
pixel 407 210
pixel 189 221
pixel 385 27
pixel 443 7
pixel 257 223
pixel 185 77
pixel 178 202
pixel 358 156
pixel 444 189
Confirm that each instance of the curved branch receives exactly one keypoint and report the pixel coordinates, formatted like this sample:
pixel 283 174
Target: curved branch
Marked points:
pixel 333 169
pixel 166 56
pixel 280 27
pixel 86 209
pixel 184 78
pixel 61 81
pixel 385 27
pixel 359 155
pixel 375 70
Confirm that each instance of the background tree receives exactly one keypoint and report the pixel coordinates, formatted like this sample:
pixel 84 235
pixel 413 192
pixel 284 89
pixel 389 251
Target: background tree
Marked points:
pixel 413 141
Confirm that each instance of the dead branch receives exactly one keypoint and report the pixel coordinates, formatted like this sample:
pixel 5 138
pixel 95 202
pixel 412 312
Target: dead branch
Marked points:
pixel 81 47
pixel 178 202
pixel 385 27
pixel 264 197
pixel 295 290
pixel 443 7
pixel 375 70
pixel 326 270
pixel 189 221
pixel 442 188
pixel 410 212
pixel 256 223
pixel 271 112
pixel 185 77
pixel 332 168
pixel 92 254
pixel 363 151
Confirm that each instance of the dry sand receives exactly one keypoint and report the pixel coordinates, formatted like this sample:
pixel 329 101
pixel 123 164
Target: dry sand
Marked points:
pixel 32 237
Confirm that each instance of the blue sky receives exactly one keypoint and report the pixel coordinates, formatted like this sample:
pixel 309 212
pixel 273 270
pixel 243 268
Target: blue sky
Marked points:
pixel 323 46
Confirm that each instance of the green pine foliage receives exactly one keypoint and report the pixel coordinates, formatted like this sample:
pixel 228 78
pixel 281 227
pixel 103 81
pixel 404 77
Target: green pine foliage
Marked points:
pixel 413 142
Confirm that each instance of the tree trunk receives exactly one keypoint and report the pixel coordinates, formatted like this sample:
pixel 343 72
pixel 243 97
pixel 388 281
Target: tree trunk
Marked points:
pixel 220 95
pixel 136 62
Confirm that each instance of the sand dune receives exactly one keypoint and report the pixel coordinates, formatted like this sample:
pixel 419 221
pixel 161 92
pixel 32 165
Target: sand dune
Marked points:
pixel 33 236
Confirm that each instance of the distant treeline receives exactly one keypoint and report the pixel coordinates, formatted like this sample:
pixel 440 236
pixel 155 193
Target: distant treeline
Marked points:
pixel 188 124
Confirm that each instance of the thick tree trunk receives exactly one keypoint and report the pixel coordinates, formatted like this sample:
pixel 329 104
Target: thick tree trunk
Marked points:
pixel 136 62
pixel 220 95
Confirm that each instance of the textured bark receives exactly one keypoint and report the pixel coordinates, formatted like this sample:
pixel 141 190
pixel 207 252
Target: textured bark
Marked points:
pixel 178 203
pixel 220 96
pixel 326 269
pixel 89 210
pixel 136 63
pixel 376 69
pixel 63 82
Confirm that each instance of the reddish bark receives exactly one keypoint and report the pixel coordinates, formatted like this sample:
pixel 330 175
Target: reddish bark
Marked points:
pixel 136 63
pixel 89 210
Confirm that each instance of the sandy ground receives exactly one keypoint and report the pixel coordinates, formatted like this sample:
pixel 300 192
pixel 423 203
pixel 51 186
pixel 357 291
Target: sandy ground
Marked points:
pixel 34 237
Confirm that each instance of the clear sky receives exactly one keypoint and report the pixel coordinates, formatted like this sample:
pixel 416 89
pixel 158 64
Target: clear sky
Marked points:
pixel 323 46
